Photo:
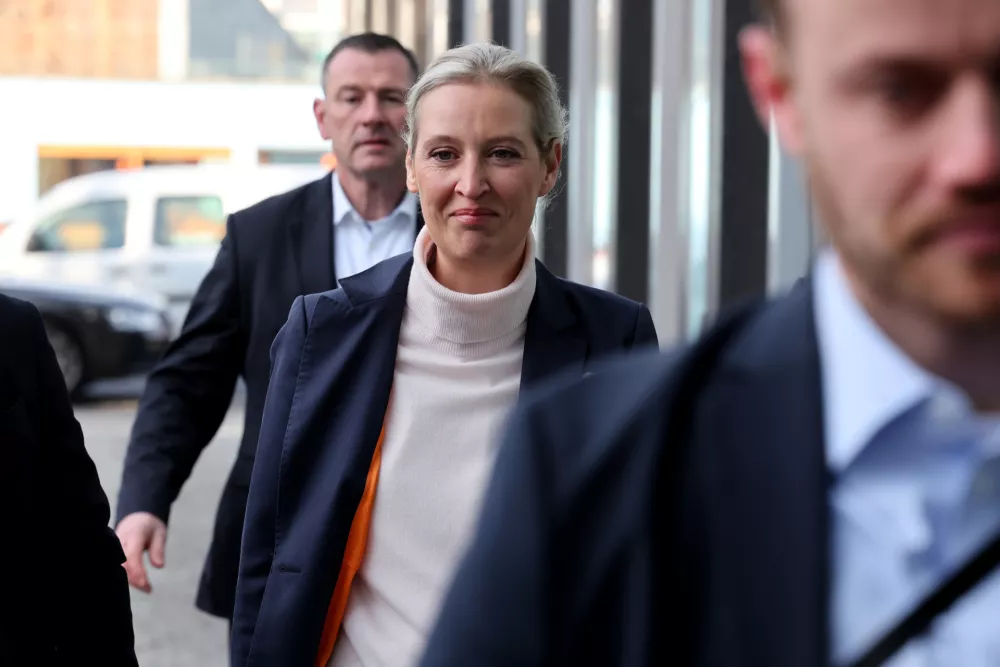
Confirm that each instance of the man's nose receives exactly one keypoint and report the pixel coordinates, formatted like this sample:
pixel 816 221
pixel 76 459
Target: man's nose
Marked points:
pixel 970 145
pixel 371 110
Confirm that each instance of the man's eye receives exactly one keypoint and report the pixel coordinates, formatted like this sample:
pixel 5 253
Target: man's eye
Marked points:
pixel 910 94
pixel 903 93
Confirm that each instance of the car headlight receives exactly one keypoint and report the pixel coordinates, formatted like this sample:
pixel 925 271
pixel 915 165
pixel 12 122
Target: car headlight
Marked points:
pixel 135 320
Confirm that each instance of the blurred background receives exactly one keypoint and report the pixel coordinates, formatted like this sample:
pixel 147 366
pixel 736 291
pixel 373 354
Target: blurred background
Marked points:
pixel 129 129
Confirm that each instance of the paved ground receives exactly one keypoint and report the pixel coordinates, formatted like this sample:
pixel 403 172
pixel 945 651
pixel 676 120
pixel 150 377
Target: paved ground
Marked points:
pixel 170 632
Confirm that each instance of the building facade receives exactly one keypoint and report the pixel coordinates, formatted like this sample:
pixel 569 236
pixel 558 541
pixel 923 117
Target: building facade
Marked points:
pixel 673 194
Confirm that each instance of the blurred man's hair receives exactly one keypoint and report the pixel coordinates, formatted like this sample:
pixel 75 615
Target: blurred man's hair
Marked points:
pixel 369 42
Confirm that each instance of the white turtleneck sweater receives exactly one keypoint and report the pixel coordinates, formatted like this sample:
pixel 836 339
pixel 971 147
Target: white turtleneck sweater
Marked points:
pixel 458 372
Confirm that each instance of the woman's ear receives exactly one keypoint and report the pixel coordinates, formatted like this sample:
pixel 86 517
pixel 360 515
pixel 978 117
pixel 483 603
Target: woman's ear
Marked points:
pixel 552 159
pixel 411 177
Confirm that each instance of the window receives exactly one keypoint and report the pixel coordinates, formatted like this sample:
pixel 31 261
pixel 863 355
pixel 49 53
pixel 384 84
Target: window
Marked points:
pixel 96 225
pixel 291 157
pixel 189 222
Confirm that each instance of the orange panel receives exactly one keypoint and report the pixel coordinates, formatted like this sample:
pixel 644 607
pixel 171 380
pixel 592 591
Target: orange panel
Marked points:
pixel 129 152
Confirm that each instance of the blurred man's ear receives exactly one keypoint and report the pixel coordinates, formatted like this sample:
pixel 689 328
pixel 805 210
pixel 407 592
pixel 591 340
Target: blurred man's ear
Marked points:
pixel 765 69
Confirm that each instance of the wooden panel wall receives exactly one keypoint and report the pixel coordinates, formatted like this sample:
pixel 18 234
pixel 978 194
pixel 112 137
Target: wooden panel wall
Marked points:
pixel 79 38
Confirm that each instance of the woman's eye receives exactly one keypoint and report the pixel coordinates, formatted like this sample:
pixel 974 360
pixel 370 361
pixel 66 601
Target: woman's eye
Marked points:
pixel 443 156
pixel 505 154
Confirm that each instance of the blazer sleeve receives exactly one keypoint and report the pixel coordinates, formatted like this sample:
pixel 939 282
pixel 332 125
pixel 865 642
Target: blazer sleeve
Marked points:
pixel 257 549
pixel 644 334
pixel 188 394
pixel 498 606
pixel 92 613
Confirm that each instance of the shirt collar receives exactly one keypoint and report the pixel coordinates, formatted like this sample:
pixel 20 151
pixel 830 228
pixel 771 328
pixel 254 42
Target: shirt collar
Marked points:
pixel 867 380
pixel 343 208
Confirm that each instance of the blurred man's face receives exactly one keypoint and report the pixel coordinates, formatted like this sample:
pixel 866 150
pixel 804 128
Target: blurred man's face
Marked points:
pixel 894 105
pixel 364 110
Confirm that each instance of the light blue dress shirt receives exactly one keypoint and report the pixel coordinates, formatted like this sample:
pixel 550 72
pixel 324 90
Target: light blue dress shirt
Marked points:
pixel 359 244
pixel 916 490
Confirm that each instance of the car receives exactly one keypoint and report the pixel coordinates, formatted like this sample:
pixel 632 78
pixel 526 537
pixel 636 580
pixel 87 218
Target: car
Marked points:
pixel 97 333
pixel 155 229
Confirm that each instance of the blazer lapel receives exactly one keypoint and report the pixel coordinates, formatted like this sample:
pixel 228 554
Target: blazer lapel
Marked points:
pixel 773 485
pixel 312 238
pixel 552 341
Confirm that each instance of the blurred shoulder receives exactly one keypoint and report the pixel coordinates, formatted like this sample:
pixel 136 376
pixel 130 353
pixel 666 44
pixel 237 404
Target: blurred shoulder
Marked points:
pixel 581 418
pixel 619 385
pixel 622 410
pixel 19 322
pixel 22 336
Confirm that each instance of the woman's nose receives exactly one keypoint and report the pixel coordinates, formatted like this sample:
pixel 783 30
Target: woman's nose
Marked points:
pixel 472 182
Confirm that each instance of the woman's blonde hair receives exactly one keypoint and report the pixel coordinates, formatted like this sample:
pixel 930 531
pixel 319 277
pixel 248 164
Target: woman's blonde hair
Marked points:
pixel 490 63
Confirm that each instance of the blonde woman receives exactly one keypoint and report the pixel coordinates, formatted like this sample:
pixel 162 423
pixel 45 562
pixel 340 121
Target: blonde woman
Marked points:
pixel 378 436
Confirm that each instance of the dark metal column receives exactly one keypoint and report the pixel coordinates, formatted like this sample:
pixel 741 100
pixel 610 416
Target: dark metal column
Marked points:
pixel 500 17
pixel 556 41
pixel 744 170
pixel 456 23
pixel 422 47
pixel 635 85
pixel 392 17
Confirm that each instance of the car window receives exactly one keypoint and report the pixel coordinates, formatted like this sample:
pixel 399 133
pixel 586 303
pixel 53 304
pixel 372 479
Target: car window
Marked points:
pixel 96 225
pixel 189 221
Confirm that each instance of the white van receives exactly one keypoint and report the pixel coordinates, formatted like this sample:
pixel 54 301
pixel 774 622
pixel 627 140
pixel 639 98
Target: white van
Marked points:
pixel 154 230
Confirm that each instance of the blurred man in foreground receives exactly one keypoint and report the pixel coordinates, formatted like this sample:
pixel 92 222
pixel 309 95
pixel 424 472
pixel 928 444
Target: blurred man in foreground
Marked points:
pixel 300 242
pixel 788 490
pixel 65 600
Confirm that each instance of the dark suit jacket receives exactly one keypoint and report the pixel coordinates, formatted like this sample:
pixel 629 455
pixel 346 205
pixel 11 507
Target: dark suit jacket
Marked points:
pixel 64 598
pixel 273 252
pixel 669 511
pixel 333 370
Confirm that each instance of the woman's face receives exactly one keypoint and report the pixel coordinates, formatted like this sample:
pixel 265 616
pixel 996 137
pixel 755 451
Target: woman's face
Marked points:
pixel 478 172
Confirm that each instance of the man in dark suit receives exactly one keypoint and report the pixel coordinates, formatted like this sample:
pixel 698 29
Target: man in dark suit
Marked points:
pixel 784 492
pixel 65 599
pixel 296 243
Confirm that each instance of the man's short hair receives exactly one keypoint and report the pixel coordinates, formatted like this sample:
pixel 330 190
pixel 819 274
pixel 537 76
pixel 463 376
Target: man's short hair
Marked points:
pixel 369 42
